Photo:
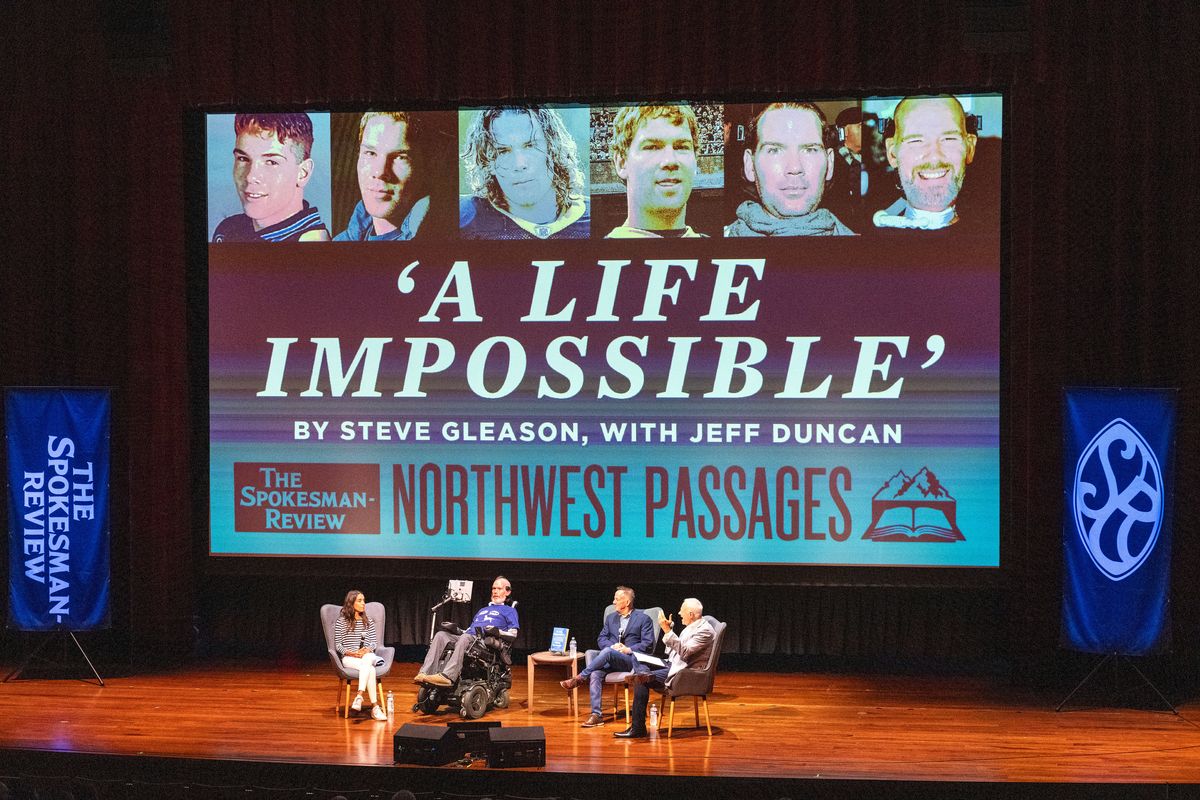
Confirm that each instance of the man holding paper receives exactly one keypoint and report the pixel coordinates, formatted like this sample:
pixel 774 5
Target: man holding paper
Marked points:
pixel 691 648
pixel 627 632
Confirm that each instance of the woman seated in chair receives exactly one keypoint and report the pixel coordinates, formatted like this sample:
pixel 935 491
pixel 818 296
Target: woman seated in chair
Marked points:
pixel 355 637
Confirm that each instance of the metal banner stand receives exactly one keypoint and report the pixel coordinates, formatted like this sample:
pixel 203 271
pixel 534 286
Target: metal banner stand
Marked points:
pixel 55 635
pixel 1117 659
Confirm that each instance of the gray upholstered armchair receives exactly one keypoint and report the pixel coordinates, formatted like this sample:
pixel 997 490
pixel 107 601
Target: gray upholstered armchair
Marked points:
pixel 695 682
pixel 348 677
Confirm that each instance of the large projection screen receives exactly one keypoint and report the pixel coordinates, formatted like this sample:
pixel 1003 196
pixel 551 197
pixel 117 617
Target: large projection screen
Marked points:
pixel 711 333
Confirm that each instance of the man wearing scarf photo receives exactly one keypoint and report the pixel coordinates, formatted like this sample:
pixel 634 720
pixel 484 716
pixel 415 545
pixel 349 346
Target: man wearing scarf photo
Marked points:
pixel 788 163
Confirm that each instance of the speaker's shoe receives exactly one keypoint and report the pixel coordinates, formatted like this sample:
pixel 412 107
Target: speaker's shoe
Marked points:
pixel 632 733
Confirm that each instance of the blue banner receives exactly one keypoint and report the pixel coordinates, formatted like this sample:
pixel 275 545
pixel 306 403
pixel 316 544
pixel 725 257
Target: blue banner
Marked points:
pixel 1118 476
pixel 58 517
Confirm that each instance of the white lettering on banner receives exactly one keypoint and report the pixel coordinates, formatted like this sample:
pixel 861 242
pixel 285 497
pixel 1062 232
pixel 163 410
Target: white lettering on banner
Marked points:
pixel 34 530
pixel 51 502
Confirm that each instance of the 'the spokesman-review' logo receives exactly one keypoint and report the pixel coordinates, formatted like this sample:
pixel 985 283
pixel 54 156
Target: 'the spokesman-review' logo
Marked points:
pixel 306 498
pixel 1117 499
pixel 915 508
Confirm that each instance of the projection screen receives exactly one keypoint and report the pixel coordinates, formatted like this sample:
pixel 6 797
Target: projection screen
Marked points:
pixel 716 333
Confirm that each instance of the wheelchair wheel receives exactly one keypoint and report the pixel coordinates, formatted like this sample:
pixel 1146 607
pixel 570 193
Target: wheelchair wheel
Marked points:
pixel 474 702
pixel 501 700
pixel 427 701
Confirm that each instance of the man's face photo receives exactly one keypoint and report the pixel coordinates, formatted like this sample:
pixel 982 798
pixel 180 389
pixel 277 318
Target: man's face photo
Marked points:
pixel 853 133
pixel 522 167
pixel 930 150
pixel 384 169
pixel 660 167
pixel 790 163
pixel 269 177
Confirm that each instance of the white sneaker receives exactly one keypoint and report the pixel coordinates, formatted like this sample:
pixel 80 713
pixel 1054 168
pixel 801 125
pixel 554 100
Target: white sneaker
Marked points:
pixel 378 713
pixel 357 704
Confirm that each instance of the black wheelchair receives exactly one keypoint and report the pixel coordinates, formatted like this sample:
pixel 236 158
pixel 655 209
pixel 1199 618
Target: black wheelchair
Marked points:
pixel 485 681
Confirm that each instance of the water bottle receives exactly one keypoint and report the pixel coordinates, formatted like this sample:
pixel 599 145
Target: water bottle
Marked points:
pixel 654 715
pixel 572 647
pixel 391 703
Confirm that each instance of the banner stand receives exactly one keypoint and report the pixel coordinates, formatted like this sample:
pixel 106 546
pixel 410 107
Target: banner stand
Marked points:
pixel 1117 659
pixel 1118 490
pixel 54 636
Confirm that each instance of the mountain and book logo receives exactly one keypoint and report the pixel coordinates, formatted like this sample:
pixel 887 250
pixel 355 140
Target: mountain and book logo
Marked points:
pixel 915 508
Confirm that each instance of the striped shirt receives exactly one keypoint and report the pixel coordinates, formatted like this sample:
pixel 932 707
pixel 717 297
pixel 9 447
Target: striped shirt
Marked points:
pixel 357 637
pixel 240 228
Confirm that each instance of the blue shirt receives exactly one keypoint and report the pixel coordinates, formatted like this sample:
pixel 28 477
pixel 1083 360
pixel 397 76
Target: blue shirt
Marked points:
pixel 361 227
pixel 240 228
pixel 498 614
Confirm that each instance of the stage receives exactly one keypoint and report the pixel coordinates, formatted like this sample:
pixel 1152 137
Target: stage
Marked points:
pixel 774 735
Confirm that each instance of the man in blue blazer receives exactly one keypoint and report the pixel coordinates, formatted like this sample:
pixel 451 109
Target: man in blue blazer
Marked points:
pixel 626 631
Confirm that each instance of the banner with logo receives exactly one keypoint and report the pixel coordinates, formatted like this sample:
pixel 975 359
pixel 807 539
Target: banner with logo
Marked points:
pixel 1117 526
pixel 58 523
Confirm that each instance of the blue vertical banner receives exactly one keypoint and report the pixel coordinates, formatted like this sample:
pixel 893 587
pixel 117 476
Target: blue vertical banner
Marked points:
pixel 1118 478
pixel 58 516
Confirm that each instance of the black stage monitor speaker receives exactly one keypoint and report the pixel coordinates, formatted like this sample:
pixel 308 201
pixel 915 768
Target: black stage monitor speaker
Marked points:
pixel 517 747
pixel 424 744
pixel 471 736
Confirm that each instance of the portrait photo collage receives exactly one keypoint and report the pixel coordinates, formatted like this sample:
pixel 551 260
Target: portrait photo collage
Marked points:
pixel 863 166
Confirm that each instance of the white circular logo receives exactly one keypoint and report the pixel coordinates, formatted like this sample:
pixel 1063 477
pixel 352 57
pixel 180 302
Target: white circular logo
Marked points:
pixel 1118 499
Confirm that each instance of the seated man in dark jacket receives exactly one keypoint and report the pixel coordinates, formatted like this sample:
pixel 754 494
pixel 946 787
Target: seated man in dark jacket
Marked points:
pixel 626 631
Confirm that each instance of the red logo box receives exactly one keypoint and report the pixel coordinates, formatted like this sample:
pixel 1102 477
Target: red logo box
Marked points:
pixel 306 498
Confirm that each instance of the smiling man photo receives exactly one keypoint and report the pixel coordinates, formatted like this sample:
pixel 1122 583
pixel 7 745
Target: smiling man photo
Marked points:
pixel 272 163
pixel 654 151
pixel 930 148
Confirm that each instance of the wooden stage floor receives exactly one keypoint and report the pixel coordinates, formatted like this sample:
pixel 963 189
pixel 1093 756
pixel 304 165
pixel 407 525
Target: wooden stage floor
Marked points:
pixel 779 726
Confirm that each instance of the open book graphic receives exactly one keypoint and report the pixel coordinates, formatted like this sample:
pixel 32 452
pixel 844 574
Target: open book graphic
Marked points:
pixel 913 509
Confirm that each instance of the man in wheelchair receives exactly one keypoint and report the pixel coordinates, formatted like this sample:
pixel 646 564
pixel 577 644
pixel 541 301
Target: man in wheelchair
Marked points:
pixel 471 670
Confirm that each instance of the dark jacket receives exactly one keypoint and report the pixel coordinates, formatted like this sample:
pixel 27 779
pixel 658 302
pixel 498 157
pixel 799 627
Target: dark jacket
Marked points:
pixel 639 633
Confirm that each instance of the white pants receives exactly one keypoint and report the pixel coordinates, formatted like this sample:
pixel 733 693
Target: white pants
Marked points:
pixel 366 673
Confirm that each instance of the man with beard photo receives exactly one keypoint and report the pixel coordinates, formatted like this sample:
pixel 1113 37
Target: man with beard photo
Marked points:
pixel 930 148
